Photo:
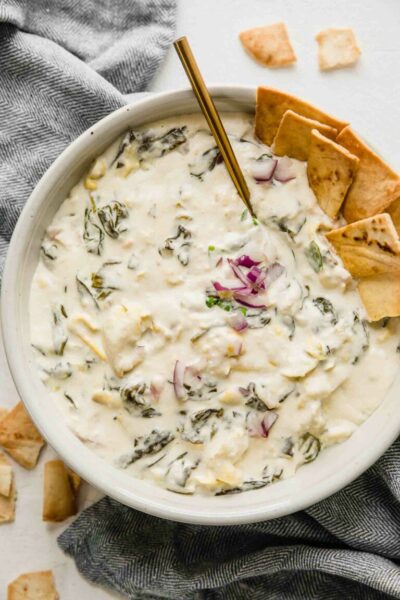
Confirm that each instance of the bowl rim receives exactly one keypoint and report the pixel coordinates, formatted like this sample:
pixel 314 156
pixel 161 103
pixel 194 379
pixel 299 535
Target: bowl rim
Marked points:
pixel 85 464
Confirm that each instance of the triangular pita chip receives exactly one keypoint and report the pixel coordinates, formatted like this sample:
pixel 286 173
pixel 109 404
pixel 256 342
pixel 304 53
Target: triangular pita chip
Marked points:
pixel 368 247
pixel 19 436
pixel 33 586
pixel 6 476
pixel 269 45
pixel 7 505
pixel 3 413
pixel 394 211
pixel 381 295
pixel 337 48
pixel 293 137
pixel 60 488
pixel 272 105
pixel 374 187
pixel 330 169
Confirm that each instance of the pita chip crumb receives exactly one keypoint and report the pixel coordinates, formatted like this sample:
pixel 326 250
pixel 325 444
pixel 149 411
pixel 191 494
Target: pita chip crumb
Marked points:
pixel 60 491
pixel 375 185
pixel 337 48
pixel 271 106
pixel 20 438
pixel 330 170
pixel 381 295
pixel 293 137
pixel 6 476
pixel 33 586
pixel 269 45
pixel 368 247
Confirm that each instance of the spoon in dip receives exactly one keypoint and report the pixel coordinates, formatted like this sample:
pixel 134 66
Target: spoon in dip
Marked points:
pixel 213 119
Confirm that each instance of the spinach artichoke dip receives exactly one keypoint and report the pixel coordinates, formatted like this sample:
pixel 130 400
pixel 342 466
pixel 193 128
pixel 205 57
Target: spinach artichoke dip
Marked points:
pixel 189 343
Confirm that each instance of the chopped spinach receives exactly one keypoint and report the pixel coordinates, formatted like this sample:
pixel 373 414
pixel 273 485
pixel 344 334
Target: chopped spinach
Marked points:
pixel 84 291
pixel 144 446
pixel 60 337
pixel 314 256
pixel 70 399
pixel 253 399
pixel 178 245
pixel 110 217
pixel 325 306
pixel 60 371
pixel 149 413
pixel 92 234
pixel 209 160
pixel 49 250
pixel 309 446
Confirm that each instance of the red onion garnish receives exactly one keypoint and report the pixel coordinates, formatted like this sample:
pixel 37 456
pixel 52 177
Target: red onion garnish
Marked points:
pixel 237 321
pixel 268 420
pixel 246 261
pixel 262 428
pixel 263 170
pixel 179 374
pixel 283 171
pixel 238 272
pixel 249 301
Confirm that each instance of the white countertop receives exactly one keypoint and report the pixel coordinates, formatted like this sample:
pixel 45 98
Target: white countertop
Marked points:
pixel 368 96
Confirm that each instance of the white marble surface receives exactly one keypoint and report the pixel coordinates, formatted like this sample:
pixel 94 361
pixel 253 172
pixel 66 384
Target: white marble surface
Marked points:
pixel 368 96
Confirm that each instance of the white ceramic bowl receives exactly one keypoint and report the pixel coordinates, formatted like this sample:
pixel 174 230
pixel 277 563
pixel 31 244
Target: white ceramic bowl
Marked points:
pixel 334 468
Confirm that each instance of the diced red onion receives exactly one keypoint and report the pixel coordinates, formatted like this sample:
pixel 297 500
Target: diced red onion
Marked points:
pixel 237 272
pixel 237 349
pixel 263 170
pixel 284 171
pixel 262 428
pixel 179 374
pixel 249 301
pixel 237 321
pixel 244 391
pixel 273 272
pixel 246 261
pixel 155 390
pixel 268 420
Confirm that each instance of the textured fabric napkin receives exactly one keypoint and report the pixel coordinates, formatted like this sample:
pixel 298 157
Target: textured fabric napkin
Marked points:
pixel 63 65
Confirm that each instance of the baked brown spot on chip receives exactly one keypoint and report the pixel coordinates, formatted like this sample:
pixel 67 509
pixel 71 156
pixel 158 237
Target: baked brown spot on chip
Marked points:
pixel 337 48
pixel 330 169
pixel 368 247
pixel 293 137
pixel 269 45
pixel 33 586
pixel 20 438
pixel 60 490
pixel 381 295
pixel 374 187
pixel 272 105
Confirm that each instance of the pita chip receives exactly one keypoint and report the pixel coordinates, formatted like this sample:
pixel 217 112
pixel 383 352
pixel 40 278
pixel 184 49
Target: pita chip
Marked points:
pixel 337 48
pixel 272 105
pixel 330 169
pixel 368 247
pixel 6 476
pixel 7 491
pixel 394 211
pixel 381 295
pixel 20 438
pixel 375 185
pixel 33 586
pixel 293 137
pixel 269 45
pixel 60 491
pixel 3 413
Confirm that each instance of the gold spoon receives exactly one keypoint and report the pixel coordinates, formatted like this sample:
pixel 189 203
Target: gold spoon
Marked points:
pixel 213 119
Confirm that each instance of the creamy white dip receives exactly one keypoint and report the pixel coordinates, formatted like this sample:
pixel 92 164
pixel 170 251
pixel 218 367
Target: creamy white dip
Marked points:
pixel 155 364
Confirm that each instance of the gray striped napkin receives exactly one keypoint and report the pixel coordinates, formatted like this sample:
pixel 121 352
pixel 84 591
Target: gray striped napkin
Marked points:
pixel 63 65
